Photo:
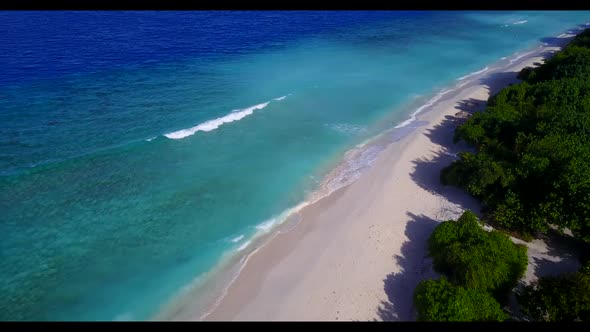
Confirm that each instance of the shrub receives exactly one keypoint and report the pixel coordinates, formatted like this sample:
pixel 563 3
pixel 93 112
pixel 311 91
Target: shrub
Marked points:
pixel 471 257
pixel 526 74
pixel 479 174
pixel 439 300
pixel 551 299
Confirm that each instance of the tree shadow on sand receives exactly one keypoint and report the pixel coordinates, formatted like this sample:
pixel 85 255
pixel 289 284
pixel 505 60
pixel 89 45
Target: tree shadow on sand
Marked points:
pixel 495 82
pixel 550 254
pixel 414 265
pixel 561 255
pixel 427 170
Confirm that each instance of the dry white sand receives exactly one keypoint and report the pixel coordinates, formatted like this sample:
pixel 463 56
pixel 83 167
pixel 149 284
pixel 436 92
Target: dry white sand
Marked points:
pixel 359 253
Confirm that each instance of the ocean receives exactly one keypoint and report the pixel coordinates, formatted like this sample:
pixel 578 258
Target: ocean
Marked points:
pixel 138 150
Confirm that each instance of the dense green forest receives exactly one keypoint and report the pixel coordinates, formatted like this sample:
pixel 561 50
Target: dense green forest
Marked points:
pixel 532 165
pixel 531 171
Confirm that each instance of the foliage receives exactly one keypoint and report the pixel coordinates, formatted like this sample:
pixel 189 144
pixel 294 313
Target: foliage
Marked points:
pixel 474 258
pixel 573 61
pixel 582 39
pixel 551 299
pixel 439 300
pixel 532 165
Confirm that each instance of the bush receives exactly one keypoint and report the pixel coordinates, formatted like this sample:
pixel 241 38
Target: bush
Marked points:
pixel 552 299
pixel 526 74
pixel 439 300
pixel 471 257
pixel 479 174
pixel 582 40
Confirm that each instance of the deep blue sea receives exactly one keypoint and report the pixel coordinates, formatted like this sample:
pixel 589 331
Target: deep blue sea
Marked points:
pixel 139 148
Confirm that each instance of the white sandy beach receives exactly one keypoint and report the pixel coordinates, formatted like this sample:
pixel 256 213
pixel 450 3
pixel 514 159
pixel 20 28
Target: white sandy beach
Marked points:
pixel 359 253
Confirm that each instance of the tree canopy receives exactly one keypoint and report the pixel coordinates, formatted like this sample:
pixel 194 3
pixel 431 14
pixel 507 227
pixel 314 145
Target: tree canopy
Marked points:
pixel 474 258
pixel 439 300
pixel 532 165
pixel 551 299
pixel 479 269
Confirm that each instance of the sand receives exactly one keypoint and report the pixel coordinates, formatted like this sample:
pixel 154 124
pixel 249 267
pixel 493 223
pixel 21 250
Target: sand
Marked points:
pixel 358 253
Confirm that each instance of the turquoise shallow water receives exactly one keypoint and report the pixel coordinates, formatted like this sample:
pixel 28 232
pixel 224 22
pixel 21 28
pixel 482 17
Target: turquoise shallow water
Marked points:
pixel 132 158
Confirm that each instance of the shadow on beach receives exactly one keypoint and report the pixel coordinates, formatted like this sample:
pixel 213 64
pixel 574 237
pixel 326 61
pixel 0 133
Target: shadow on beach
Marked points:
pixel 413 262
pixel 427 170
pixel 560 254
pixel 414 265
pixel 550 254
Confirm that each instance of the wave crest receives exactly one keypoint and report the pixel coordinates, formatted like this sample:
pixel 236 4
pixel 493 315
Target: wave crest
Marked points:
pixel 473 74
pixel 237 238
pixel 431 102
pixel 210 125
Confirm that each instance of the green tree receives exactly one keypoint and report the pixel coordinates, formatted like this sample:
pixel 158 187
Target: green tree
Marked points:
pixel 474 258
pixel 532 165
pixel 439 300
pixel 551 299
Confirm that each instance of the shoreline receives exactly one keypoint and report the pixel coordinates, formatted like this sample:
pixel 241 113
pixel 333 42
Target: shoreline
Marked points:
pixel 270 283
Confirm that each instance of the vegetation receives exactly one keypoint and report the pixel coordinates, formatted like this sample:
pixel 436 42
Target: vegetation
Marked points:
pixel 439 300
pixel 479 267
pixel 474 258
pixel 531 169
pixel 532 165
pixel 565 298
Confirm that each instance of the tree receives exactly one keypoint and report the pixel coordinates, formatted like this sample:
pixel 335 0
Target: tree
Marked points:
pixel 532 165
pixel 474 258
pixel 551 299
pixel 439 300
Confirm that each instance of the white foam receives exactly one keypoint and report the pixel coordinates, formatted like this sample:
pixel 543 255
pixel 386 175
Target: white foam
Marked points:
pixel 210 125
pixel 418 110
pixel 150 139
pixel 237 238
pixel 243 263
pixel 244 245
pixel 520 57
pixel 504 58
pixel 431 102
pixel 215 123
pixel 267 225
pixel 473 74
pixel 520 22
